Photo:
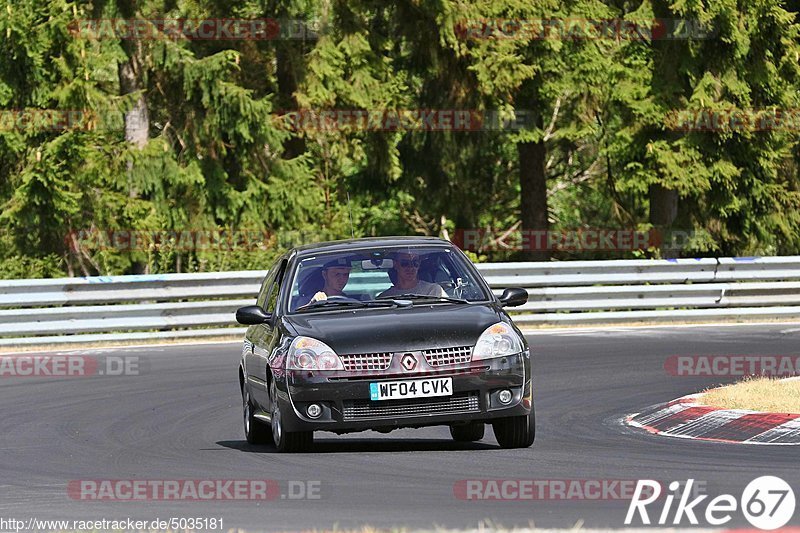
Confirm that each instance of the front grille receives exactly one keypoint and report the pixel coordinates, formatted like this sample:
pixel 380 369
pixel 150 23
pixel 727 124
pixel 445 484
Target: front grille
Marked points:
pixel 366 361
pixel 366 409
pixel 448 356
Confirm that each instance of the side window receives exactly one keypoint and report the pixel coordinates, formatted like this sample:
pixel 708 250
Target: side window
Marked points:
pixel 275 289
pixel 265 287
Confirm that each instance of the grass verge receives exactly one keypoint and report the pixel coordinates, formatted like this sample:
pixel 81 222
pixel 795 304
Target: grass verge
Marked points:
pixel 757 394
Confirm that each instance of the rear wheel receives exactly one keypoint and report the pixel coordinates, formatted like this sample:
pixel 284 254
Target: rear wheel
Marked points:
pixel 255 431
pixel 287 441
pixel 469 432
pixel 515 431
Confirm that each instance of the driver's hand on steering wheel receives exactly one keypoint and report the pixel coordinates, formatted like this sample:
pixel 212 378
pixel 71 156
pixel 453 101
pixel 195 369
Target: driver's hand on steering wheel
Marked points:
pixel 318 297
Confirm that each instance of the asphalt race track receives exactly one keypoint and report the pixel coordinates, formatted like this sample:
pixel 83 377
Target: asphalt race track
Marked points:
pixel 180 419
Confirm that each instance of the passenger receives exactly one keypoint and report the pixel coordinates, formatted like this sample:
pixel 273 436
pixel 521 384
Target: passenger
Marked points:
pixel 336 274
pixel 406 264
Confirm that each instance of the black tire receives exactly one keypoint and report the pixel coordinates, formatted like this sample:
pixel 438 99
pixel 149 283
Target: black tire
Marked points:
pixel 515 431
pixel 469 432
pixel 255 431
pixel 287 441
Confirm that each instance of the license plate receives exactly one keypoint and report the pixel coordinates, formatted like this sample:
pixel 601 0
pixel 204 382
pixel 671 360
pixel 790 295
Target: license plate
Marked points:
pixel 412 388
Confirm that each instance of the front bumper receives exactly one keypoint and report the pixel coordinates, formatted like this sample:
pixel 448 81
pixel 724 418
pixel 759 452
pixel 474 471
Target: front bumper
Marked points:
pixel 346 404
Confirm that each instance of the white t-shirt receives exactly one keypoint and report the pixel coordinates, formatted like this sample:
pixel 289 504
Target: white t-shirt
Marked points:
pixel 423 287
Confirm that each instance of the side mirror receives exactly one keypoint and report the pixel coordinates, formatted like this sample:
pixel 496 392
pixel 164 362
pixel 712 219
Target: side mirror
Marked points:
pixel 251 315
pixel 514 297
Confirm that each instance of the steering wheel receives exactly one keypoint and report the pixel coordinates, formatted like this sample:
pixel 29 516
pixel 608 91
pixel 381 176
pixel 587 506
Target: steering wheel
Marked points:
pixel 337 298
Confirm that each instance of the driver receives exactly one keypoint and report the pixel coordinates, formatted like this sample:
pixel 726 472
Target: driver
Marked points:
pixel 336 274
pixel 406 264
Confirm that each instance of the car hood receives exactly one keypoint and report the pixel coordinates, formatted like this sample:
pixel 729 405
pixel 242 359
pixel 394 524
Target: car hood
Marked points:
pixel 387 330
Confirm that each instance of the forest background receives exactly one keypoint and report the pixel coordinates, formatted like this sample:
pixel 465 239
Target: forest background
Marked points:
pixel 144 136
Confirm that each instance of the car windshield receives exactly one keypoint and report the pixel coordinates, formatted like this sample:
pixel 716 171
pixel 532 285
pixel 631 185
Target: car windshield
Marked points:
pixel 420 274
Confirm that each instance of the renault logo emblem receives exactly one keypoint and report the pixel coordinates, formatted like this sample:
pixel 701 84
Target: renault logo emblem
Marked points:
pixel 408 362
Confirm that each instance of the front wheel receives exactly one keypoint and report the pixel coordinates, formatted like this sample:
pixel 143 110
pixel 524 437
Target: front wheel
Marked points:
pixel 287 441
pixel 515 431
pixel 255 431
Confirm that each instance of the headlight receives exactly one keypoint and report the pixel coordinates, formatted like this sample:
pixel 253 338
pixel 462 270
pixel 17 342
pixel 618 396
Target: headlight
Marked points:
pixel 306 353
pixel 497 340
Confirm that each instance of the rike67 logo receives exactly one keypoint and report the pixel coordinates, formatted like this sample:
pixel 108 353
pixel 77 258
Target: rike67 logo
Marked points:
pixel 767 502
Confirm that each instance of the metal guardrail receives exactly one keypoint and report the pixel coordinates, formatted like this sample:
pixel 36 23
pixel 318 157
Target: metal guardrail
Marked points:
pixel 68 310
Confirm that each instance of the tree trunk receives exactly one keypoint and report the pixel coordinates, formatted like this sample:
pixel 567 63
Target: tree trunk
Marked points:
pixel 137 119
pixel 666 88
pixel 663 212
pixel 663 206
pixel 533 190
pixel 287 85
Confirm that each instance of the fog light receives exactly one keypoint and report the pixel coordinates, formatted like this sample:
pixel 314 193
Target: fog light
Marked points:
pixel 313 410
pixel 505 396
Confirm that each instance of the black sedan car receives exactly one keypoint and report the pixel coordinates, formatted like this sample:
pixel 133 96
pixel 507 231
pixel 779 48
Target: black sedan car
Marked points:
pixel 381 334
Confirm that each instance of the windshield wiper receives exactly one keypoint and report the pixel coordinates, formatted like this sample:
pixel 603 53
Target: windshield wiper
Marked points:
pixel 389 302
pixel 348 303
pixel 331 303
pixel 429 297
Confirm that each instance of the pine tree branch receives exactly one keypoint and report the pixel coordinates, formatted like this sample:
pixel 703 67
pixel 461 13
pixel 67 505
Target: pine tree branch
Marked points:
pixel 549 132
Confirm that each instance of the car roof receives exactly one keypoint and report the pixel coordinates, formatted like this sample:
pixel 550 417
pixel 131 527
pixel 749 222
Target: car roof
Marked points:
pixel 355 244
